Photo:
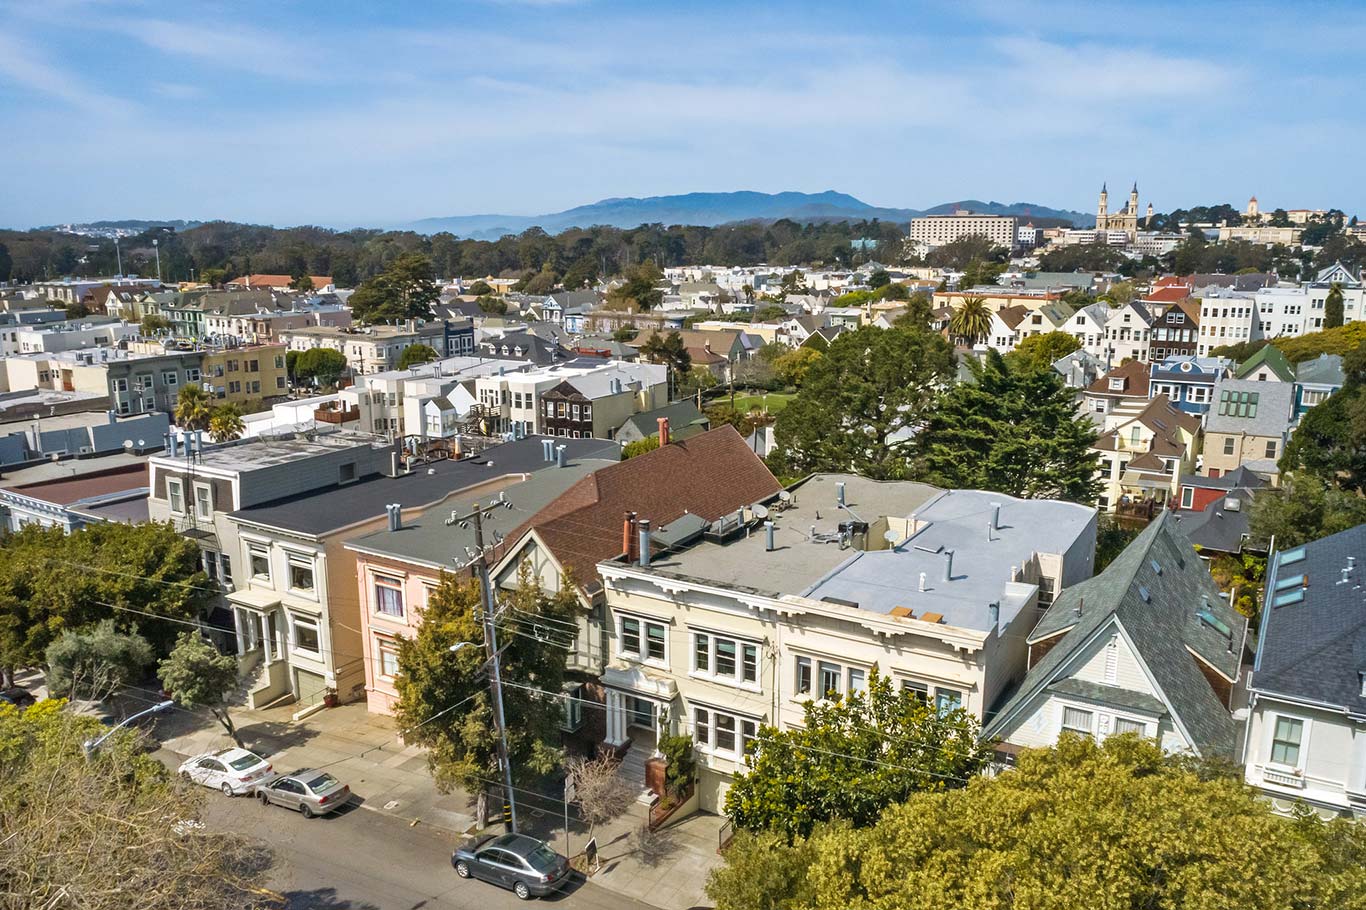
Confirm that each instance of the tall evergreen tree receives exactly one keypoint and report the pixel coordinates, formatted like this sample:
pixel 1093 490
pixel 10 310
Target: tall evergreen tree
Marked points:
pixel 404 290
pixel 1332 307
pixel 1014 429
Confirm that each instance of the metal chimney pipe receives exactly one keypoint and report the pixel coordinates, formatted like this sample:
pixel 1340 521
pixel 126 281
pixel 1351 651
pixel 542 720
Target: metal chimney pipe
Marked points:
pixel 393 464
pixel 839 492
pixel 171 448
pixel 644 526
pixel 561 460
pixel 395 511
pixel 948 565
pixel 994 614
pixel 922 581
pixel 628 536
pixel 768 532
pixel 996 516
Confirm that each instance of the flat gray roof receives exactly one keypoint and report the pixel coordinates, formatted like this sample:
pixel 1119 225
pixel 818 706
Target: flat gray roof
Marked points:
pixel 797 562
pixel 266 452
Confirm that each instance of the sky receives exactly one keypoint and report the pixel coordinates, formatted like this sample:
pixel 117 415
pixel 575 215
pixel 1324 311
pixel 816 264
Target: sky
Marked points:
pixel 350 113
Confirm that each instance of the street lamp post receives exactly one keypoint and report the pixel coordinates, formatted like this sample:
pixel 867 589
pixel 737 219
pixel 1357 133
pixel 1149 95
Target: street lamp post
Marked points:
pixel 156 248
pixel 118 255
pixel 89 747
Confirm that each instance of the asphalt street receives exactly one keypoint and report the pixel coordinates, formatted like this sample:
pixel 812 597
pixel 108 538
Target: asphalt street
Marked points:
pixel 357 859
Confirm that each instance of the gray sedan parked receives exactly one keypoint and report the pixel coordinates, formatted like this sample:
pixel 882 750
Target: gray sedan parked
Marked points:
pixel 310 792
pixel 524 864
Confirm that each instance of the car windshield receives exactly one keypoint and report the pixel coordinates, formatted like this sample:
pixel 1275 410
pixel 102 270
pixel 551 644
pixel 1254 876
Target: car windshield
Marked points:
pixel 543 859
pixel 243 762
pixel 322 783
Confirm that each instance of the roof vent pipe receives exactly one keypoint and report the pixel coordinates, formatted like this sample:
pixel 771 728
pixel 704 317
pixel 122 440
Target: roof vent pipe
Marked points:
pixel 948 565
pixel 922 581
pixel 644 526
pixel 393 464
pixel 768 533
pixel 839 493
pixel 395 511
pixel 171 448
pixel 994 614
pixel 561 460
pixel 628 536
pixel 546 446
pixel 996 516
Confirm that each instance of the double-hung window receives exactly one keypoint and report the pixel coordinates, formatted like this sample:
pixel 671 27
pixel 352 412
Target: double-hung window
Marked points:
pixel 1077 720
pixel 1125 725
pixel 829 679
pixel 175 495
pixel 858 680
pixel 258 560
pixel 723 732
pixel 803 682
pixel 642 639
pixel 304 634
pixel 725 658
pixel 701 650
pixel 918 690
pixel 300 572
pixel 946 700
pixel 386 656
pixel 203 502
pixel 749 663
pixel 389 596
pixel 1286 738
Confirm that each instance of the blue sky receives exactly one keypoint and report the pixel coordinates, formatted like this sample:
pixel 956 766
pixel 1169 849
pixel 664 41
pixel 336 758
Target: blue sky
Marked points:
pixel 368 113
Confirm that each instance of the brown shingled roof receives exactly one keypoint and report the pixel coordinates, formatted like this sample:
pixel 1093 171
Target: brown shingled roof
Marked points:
pixel 708 475
pixel 1135 376
pixel 64 491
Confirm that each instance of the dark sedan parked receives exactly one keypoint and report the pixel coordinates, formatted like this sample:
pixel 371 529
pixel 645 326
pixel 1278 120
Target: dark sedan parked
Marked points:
pixel 524 864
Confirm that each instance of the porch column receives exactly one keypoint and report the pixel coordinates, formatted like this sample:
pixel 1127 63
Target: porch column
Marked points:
pixel 267 644
pixel 241 636
pixel 616 718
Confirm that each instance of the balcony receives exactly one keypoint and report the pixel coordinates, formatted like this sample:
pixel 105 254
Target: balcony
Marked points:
pixel 333 412
pixel 1283 778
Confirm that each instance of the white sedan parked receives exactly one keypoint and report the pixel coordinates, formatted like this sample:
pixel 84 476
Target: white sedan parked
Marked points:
pixel 234 771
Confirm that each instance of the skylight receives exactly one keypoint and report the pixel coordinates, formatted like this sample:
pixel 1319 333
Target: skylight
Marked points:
pixel 1215 623
pixel 1157 566
pixel 1143 593
pixel 1291 556
pixel 1292 581
pixel 1289 597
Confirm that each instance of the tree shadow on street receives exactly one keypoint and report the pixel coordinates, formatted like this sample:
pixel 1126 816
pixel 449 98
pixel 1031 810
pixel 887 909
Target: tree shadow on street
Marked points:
pixel 321 899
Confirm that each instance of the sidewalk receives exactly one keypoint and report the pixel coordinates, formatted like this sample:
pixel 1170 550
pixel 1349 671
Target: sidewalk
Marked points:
pixel 668 869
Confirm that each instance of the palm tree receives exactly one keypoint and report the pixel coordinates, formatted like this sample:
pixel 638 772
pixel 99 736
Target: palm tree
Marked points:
pixel 225 423
pixel 192 408
pixel 971 320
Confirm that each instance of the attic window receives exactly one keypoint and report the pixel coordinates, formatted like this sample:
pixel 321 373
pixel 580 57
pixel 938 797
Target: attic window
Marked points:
pixel 1291 556
pixel 1157 566
pixel 1117 385
pixel 1144 593
pixel 1292 581
pixel 1289 597
pixel 1215 623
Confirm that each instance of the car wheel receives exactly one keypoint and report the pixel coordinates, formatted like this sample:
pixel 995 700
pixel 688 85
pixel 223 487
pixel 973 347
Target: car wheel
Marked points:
pixel 308 813
pixel 522 891
pixel 185 776
pixel 462 869
pixel 227 790
pixel 265 800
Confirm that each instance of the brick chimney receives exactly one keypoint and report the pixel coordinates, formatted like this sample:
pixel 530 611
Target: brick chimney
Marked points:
pixel 663 431
pixel 628 537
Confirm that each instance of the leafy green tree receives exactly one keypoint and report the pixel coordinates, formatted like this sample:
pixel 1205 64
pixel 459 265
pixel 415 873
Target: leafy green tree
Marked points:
pixel 193 408
pixel 852 757
pixel 542 282
pixel 960 253
pixel 1332 307
pixel 893 292
pixel 792 367
pixel 77 311
pixel 1040 352
pixel 582 273
pixel 1305 508
pixel 322 366
pixel 197 676
pixel 51 581
pixel 302 283
pixel 1241 575
pixel 979 273
pixel 639 291
pixel 1111 539
pixel 463 744
pixel 1120 293
pixel 492 306
pixel 110 831
pixel 763 871
pixel 878 279
pixel 213 276
pixel 639 447
pixel 862 400
pixel 415 354
pixel 971 320
pixel 1112 826
pixel 404 290
pixel 480 288
pixel 1015 430
pixel 625 334
pixel 95 661
pixel 155 325
pixel 668 350
pixel 225 423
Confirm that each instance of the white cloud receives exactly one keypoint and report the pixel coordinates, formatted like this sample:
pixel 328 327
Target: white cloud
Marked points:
pixel 23 66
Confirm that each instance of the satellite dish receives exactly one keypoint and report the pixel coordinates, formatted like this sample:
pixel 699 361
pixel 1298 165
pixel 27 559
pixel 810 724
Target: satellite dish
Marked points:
pixel 785 496
pixel 891 537
pixel 760 512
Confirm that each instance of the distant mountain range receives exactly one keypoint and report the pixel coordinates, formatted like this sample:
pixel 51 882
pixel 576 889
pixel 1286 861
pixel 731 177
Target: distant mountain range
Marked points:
pixel 711 209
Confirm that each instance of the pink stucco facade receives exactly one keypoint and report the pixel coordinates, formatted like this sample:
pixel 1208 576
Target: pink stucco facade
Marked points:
pixel 392 597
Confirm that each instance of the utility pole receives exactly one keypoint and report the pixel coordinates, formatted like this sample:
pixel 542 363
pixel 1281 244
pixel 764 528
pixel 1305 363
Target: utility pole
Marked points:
pixel 481 567
pixel 118 255
pixel 156 247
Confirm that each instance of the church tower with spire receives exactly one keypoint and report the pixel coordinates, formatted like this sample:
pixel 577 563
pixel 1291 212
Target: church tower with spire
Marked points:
pixel 1102 208
pixel 1122 220
pixel 1133 202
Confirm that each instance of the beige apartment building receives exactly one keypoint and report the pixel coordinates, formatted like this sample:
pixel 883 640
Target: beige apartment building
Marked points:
pixel 716 629
pixel 938 230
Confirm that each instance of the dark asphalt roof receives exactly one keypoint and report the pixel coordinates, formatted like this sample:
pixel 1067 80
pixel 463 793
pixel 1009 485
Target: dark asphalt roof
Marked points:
pixel 1217 527
pixel 1153 590
pixel 1109 695
pixel 321 511
pixel 1313 646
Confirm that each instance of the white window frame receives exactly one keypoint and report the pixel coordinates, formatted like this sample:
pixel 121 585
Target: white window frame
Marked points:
pixel 389 582
pixel 1142 725
pixel 199 513
pixel 175 495
pixel 705 725
pixel 645 623
pixel 296 619
pixel 1063 727
pixel 1187 497
pixel 385 645
pixel 258 549
pixel 1271 741
pixel 295 560
pixel 712 642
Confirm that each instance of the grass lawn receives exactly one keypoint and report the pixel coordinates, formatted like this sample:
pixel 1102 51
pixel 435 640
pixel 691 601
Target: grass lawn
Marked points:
pixel 745 403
